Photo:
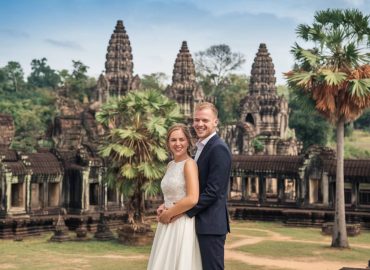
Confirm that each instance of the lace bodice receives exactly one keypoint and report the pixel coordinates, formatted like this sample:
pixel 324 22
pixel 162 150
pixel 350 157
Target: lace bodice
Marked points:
pixel 173 183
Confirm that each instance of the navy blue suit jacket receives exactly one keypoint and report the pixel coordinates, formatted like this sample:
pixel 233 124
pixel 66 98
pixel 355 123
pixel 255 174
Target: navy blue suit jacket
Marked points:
pixel 214 165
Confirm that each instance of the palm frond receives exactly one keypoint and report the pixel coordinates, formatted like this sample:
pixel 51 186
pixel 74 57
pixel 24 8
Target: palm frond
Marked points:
pixel 105 150
pixel 160 152
pixel 129 171
pixel 359 87
pixel 126 188
pixel 303 31
pixel 151 171
pixel 122 150
pixel 301 78
pixel 152 188
pixel 333 78
pixel 310 57
pixel 156 125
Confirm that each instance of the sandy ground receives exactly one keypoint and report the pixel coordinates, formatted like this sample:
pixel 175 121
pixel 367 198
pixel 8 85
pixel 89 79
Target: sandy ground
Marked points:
pixel 306 264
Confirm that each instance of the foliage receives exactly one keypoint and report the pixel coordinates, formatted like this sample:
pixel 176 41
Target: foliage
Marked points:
pixel 154 81
pixel 363 122
pixel 12 77
pixel 257 145
pixel 79 86
pixel 355 153
pixel 32 104
pixel 135 144
pixel 214 73
pixel 335 73
pixel 310 127
pixel 33 111
pixel 228 98
pixel 42 75
pixel 283 90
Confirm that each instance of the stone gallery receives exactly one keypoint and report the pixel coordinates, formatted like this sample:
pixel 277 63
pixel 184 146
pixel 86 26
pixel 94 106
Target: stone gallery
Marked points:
pixel 278 183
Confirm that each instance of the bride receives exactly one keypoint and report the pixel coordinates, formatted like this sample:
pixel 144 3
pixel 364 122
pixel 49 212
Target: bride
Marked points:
pixel 175 245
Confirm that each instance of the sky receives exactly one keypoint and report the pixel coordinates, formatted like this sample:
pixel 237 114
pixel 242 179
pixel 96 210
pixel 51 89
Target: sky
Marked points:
pixel 66 30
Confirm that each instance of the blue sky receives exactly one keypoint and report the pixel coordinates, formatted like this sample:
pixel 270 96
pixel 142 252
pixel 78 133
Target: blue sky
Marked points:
pixel 66 30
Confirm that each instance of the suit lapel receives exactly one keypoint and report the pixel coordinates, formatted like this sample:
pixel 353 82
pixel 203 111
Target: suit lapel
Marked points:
pixel 207 147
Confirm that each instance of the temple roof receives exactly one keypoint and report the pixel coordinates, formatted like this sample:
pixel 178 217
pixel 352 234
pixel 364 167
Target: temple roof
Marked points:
pixel 43 163
pixel 16 168
pixel 352 167
pixel 8 155
pixel 276 164
pixel 267 164
pixel 262 80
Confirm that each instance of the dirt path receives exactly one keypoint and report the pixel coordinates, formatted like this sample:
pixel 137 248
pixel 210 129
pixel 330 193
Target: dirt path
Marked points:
pixel 301 264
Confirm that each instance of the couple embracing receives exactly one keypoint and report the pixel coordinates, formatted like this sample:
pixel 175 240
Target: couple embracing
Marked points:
pixel 193 221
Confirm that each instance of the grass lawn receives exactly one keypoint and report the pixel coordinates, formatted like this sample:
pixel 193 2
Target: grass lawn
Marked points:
pixel 38 253
pixel 355 146
pixel 283 249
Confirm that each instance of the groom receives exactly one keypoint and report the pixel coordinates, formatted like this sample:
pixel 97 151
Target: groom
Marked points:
pixel 214 164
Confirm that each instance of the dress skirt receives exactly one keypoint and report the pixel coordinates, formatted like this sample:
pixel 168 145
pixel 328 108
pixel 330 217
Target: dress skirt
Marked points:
pixel 175 246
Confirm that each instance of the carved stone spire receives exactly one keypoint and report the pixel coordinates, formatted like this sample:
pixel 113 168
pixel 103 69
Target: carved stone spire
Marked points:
pixel 184 89
pixel 119 65
pixel 263 113
pixel 262 79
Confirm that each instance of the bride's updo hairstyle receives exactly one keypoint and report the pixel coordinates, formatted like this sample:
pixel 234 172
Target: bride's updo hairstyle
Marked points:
pixel 185 130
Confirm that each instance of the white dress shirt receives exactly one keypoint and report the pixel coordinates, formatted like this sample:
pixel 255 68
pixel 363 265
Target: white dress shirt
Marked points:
pixel 200 145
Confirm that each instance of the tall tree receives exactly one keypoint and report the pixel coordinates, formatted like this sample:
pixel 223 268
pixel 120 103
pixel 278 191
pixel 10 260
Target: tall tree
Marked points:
pixel 15 75
pixel 336 75
pixel 136 144
pixel 215 67
pixel 216 62
pixel 43 75
pixel 12 77
pixel 228 100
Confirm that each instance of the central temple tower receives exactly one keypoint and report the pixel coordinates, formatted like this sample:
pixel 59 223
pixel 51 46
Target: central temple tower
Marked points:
pixel 184 88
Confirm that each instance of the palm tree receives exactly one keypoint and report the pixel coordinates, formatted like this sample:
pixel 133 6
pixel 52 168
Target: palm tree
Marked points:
pixel 135 145
pixel 335 73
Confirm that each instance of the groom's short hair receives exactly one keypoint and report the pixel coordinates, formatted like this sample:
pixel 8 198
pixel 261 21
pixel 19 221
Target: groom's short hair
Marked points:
pixel 206 105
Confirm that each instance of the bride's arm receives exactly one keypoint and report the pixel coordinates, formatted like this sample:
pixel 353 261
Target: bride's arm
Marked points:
pixel 192 193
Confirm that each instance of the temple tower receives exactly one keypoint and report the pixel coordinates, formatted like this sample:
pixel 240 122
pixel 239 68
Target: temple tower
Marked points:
pixel 263 114
pixel 118 77
pixel 184 89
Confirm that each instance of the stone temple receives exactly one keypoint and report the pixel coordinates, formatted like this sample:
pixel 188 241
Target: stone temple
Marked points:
pixel 264 115
pixel 278 182
pixel 35 187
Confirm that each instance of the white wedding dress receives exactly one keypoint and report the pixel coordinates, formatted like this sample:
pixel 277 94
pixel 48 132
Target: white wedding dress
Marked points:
pixel 175 245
